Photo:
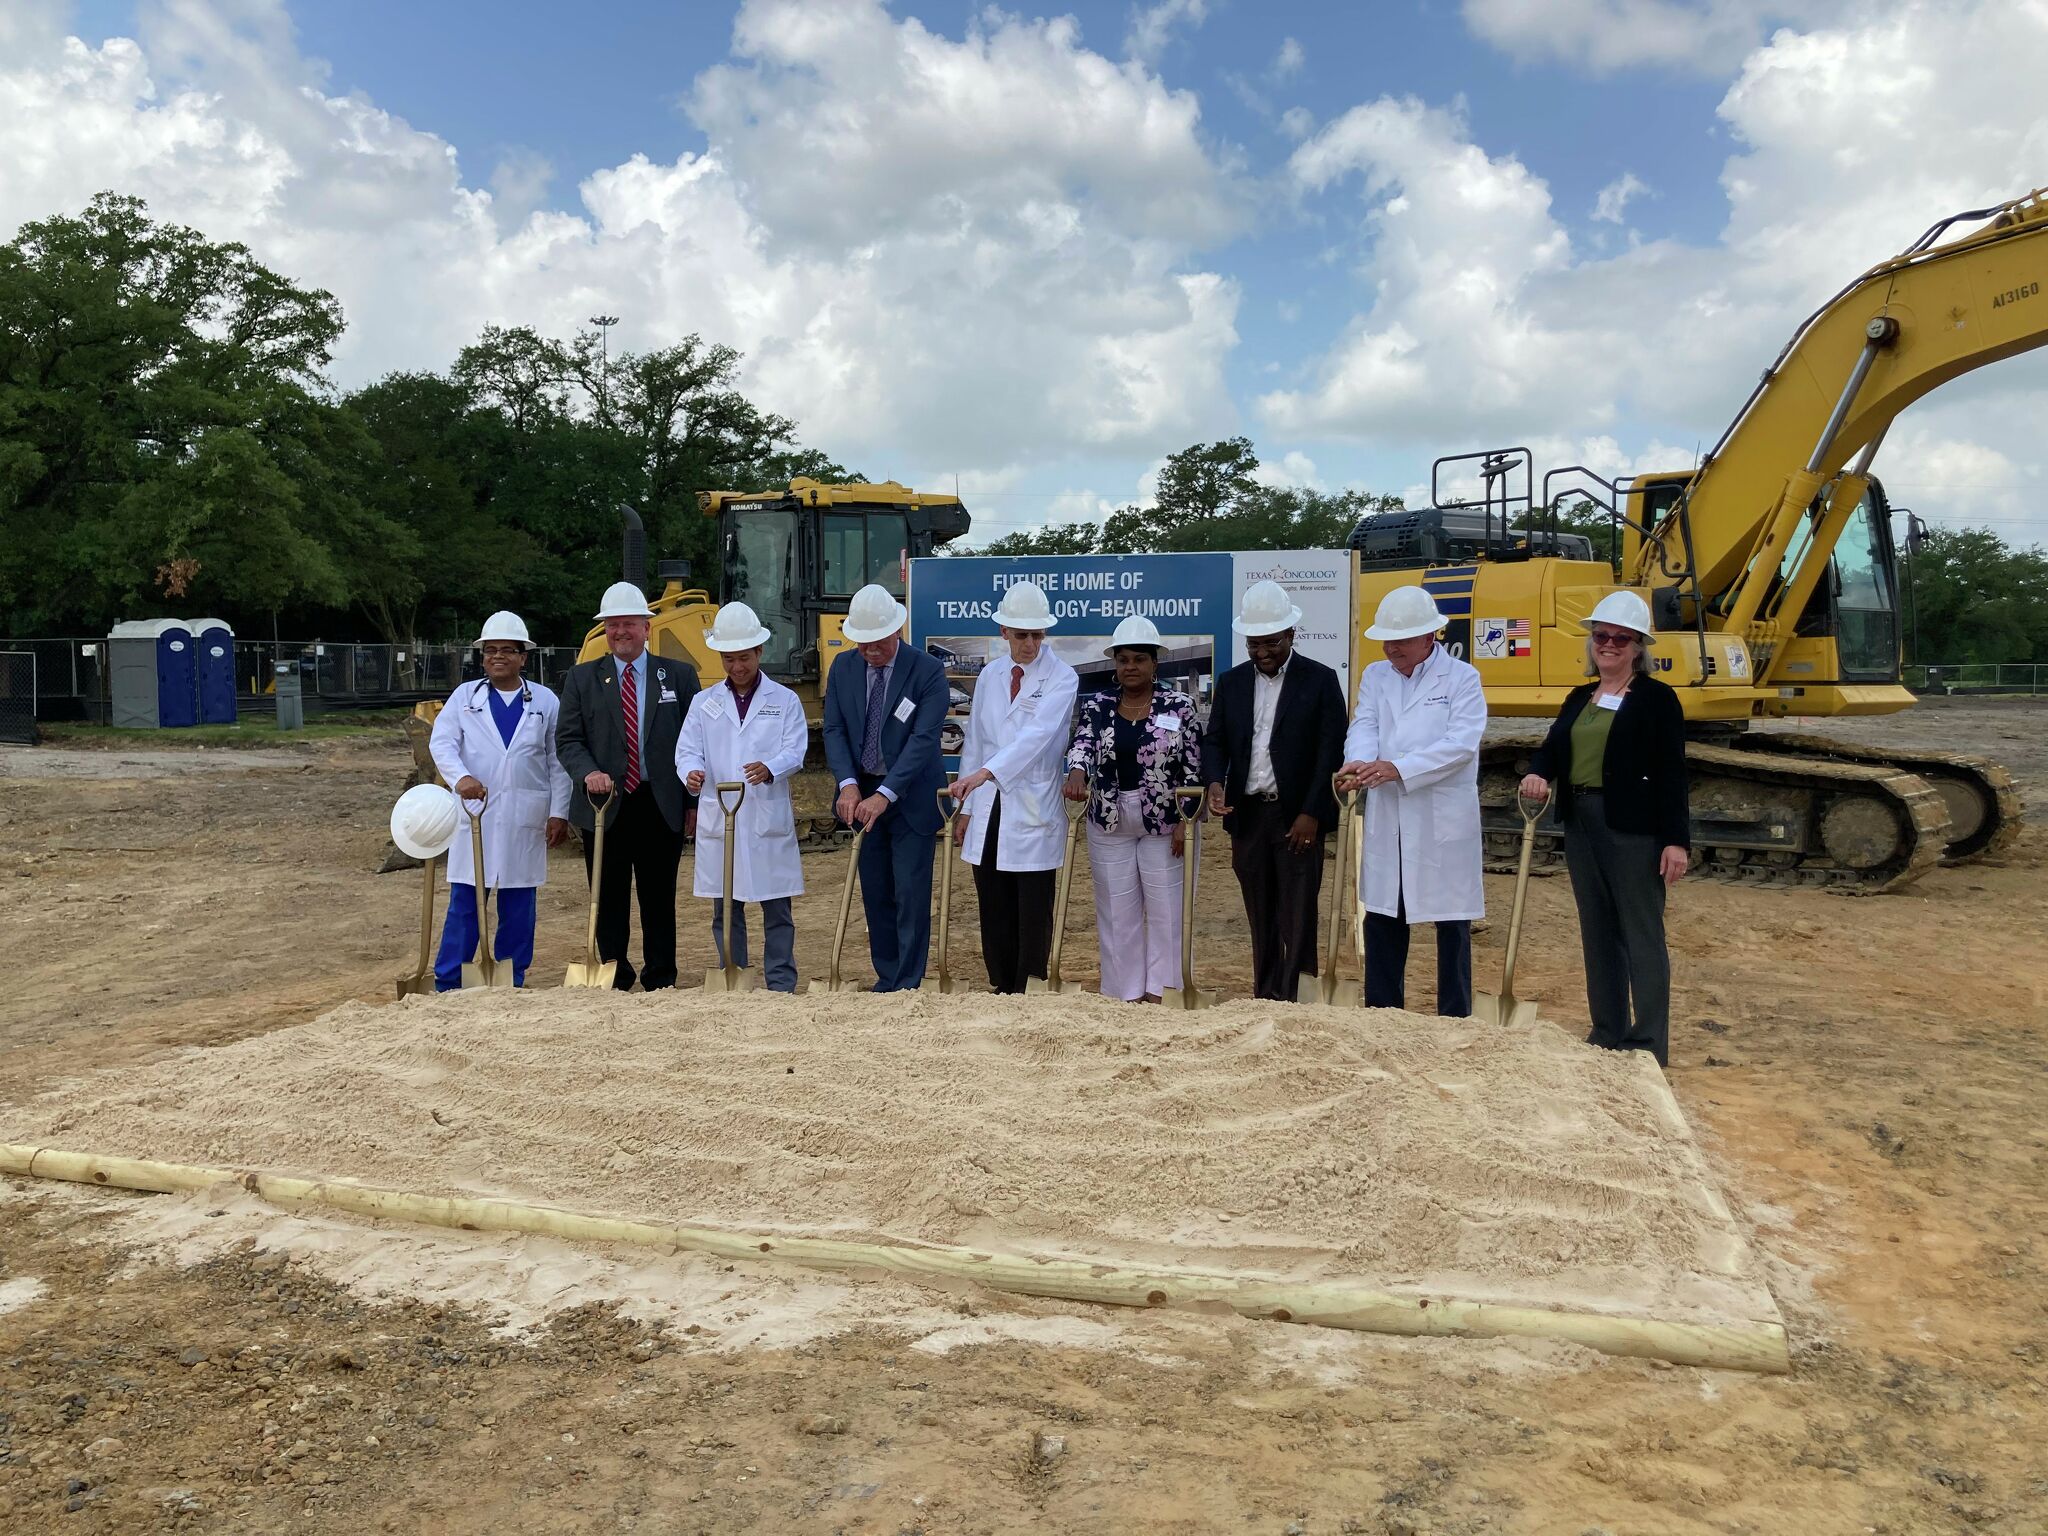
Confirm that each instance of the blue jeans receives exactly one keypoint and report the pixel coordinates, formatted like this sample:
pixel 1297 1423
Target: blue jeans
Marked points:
pixel 779 939
pixel 518 907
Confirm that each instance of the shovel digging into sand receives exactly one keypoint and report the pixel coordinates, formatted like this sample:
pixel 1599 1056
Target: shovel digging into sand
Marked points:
pixel 949 808
pixel 484 971
pixel 733 977
pixel 1050 982
pixel 423 824
pixel 1507 1008
pixel 1327 989
pixel 591 971
pixel 422 979
pixel 836 982
pixel 1187 995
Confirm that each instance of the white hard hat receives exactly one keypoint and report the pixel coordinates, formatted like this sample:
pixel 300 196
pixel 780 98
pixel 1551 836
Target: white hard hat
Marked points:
pixel 1133 632
pixel 1625 610
pixel 623 600
pixel 872 615
pixel 424 819
pixel 1267 610
pixel 736 628
pixel 505 625
pixel 1024 607
pixel 1405 614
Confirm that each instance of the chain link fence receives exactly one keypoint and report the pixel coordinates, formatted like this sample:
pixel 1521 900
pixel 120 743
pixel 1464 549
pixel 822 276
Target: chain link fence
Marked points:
pixel 18 698
pixel 69 677
pixel 1977 677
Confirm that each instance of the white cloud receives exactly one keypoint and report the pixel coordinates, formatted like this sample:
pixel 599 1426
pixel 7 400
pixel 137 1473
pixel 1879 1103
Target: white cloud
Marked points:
pixel 1153 26
pixel 1614 198
pixel 1288 61
pixel 1297 122
pixel 938 251
pixel 1703 36
pixel 1295 471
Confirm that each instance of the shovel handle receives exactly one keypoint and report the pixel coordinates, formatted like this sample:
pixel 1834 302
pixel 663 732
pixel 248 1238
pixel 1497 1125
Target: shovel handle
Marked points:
pixel 1347 807
pixel 600 805
pixel 948 809
pixel 1507 978
pixel 739 790
pixel 1075 808
pixel 846 904
pixel 1191 799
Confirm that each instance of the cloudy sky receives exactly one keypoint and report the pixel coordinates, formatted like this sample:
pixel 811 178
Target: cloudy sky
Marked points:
pixel 1040 251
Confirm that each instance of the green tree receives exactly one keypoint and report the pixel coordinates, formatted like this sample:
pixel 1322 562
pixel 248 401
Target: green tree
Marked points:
pixel 1973 598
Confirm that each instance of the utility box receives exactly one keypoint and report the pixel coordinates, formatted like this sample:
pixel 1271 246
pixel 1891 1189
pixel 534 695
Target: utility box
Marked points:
pixel 291 703
pixel 152 676
pixel 214 644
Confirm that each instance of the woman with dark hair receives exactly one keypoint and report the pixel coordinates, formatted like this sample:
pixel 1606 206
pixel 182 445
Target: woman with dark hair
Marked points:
pixel 1135 745
pixel 1616 754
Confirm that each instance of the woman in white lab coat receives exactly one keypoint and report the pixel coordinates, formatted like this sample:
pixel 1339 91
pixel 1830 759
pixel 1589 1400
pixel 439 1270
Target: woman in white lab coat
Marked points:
pixel 1414 747
pixel 749 731
pixel 494 742
pixel 1011 765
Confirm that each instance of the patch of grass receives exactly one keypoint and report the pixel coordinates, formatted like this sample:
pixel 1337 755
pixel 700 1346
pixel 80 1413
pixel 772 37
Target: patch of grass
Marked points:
pixel 254 734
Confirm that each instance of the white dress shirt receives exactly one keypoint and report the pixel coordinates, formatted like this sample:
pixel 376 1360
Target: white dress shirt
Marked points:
pixel 1259 778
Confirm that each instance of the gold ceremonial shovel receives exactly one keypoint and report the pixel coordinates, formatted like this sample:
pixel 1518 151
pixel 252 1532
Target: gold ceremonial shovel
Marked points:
pixel 1050 982
pixel 1327 988
pixel 949 809
pixel 733 978
pixel 484 971
pixel 836 982
pixel 1187 995
pixel 1507 1008
pixel 422 980
pixel 591 971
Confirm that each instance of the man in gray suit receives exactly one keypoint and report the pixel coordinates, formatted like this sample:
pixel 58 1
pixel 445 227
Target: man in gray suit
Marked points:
pixel 621 715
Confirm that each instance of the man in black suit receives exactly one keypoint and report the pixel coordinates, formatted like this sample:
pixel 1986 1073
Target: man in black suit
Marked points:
pixel 621 715
pixel 1275 736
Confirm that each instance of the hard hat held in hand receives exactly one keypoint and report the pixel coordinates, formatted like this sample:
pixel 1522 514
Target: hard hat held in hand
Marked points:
pixel 737 628
pixel 623 600
pixel 1136 632
pixel 872 615
pixel 1404 614
pixel 1624 610
pixel 423 821
pixel 504 625
pixel 1024 607
pixel 1266 610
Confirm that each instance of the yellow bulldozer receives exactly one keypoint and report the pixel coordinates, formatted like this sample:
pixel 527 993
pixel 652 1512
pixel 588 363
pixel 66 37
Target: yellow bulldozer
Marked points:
pixel 1770 573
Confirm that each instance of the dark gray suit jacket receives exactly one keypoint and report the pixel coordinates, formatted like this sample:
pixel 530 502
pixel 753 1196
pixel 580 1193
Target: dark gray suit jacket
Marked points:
pixel 592 733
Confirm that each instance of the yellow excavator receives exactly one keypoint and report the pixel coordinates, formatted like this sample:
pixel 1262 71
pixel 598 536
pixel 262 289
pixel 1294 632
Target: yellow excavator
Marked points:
pixel 1770 573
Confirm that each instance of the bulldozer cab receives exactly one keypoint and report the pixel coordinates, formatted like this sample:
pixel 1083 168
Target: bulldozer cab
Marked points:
pixel 797 556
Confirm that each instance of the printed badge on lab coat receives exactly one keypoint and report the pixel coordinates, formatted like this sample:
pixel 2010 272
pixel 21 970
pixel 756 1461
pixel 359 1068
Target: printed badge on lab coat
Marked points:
pixel 905 708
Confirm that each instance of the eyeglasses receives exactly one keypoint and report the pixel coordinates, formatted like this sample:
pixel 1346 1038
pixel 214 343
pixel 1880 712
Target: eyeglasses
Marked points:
pixel 1612 637
pixel 504 650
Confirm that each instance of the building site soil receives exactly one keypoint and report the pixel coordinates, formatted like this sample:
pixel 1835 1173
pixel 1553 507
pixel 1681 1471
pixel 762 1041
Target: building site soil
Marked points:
pixel 1864 1077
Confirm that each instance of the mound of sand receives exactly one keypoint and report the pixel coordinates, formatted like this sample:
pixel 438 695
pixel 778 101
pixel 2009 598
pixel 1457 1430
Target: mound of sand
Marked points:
pixel 1283 1142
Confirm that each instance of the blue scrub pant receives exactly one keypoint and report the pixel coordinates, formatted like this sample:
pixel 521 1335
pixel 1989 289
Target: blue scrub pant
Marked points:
pixel 896 893
pixel 518 906
pixel 778 965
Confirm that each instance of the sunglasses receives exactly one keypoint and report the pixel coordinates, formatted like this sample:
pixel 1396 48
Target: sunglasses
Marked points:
pixel 1613 637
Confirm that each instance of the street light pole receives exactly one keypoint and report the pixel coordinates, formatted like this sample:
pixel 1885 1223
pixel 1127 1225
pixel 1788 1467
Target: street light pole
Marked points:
pixel 604 324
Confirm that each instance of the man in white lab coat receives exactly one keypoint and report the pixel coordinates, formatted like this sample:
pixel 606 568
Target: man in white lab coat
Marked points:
pixel 1012 826
pixel 494 742
pixel 1414 747
pixel 751 731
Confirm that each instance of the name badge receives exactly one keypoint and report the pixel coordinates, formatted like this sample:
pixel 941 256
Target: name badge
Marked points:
pixel 1610 701
pixel 905 708
pixel 1167 722
pixel 668 695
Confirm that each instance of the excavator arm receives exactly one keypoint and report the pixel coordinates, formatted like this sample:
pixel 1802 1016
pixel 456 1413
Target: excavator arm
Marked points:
pixel 1905 327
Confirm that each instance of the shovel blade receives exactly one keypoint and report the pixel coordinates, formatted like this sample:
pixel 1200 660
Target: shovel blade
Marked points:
pixel 498 980
pixel 1045 986
pixel 730 981
pixel 413 983
pixel 1508 1012
pixel 953 985
pixel 1188 999
pixel 844 984
pixel 582 973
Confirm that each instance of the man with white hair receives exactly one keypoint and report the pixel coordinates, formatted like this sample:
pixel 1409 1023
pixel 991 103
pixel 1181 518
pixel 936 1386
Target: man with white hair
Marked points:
pixel 1011 827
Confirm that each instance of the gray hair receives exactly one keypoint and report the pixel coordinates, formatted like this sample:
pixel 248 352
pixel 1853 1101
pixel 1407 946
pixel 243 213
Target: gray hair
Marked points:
pixel 1641 663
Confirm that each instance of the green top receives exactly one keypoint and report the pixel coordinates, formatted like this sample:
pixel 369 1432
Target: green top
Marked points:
pixel 1589 743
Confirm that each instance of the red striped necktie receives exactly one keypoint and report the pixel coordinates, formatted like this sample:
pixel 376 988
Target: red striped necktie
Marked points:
pixel 629 705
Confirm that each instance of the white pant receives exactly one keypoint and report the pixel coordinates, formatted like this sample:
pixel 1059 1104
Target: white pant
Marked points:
pixel 1137 904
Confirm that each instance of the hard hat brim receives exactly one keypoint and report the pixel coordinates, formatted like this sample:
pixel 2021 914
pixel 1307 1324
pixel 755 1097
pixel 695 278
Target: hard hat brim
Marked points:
pixel 744 643
pixel 418 850
pixel 1405 631
pixel 1012 621
pixel 623 613
pixel 480 639
pixel 863 635
pixel 1267 627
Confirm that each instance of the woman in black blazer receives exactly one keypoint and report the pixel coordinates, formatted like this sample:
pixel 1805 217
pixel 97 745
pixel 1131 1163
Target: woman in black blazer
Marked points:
pixel 1616 754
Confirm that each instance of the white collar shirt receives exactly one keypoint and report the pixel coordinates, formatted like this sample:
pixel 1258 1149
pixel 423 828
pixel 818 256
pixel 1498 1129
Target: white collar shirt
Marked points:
pixel 1260 779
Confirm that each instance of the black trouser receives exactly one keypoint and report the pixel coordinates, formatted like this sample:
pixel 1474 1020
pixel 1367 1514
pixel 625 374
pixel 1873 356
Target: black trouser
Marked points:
pixel 1280 888
pixel 1386 962
pixel 1016 912
pixel 1620 897
pixel 640 850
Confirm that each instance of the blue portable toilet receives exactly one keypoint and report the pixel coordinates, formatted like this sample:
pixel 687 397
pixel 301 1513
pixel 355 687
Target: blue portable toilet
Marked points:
pixel 215 643
pixel 153 680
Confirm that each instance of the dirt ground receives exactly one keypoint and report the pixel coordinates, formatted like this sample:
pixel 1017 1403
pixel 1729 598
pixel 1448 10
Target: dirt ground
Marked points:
pixel 1866 1073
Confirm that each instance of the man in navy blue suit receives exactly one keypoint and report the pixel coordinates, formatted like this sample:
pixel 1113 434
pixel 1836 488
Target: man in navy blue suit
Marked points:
pixel 884 704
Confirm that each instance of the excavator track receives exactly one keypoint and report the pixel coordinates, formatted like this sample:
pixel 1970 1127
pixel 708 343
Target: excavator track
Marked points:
pixel 1983 803
pixel 1761 818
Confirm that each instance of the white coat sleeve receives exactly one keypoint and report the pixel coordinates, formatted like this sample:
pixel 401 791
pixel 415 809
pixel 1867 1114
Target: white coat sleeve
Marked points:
pixel 786 756
pixel 559 786
pixel 1362 741
pixel 975 741
pixel 446 741
pixel 1459 744
pixel 690 756
pixel 1053 718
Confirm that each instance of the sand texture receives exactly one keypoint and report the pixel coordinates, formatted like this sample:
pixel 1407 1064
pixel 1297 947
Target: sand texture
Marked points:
pixel 1283 1142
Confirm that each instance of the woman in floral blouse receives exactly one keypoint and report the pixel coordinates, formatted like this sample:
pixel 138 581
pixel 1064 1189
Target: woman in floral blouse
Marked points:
pixel 1135 745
